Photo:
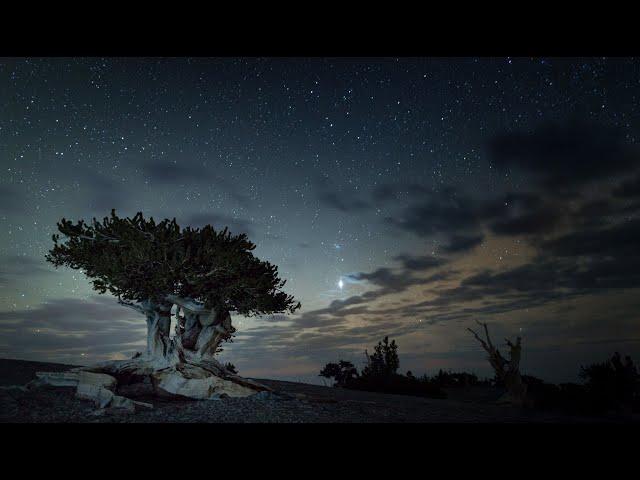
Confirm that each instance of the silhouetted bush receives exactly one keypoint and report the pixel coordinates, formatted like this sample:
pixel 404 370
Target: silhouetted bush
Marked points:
pixel 399 385
pixel 458 379
pixel 384 361
pixel 231 367
pixel 380 374
pixel 343 372
pixel 612 385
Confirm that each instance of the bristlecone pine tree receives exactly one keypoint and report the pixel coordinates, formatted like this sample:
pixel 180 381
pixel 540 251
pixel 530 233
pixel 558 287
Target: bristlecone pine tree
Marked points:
pixel 151 267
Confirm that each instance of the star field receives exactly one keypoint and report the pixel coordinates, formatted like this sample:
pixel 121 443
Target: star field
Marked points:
pixel 398 196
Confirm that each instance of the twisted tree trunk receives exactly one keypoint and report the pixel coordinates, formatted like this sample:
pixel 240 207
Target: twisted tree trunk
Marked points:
pixel 508 371
pixel 182 366
pixel 158 326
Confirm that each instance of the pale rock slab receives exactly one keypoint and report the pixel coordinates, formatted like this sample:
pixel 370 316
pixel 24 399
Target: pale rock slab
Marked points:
pixel 99 379
pixel 58 379
pixel 98 394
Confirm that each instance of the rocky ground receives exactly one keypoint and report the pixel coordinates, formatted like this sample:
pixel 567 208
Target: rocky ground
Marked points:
pixel 290 402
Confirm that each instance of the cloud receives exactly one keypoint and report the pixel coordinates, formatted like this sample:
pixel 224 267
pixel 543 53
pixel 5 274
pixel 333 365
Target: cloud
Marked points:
pixel 184 172
pixel 461 243
pixel 397 192
pixel 628 189
pixel 62 329
pixel 542 220
pixel 343 202
pixel 564 156
pixel 22 265
pixel 618 241
pixel 444 212
pixel 420 263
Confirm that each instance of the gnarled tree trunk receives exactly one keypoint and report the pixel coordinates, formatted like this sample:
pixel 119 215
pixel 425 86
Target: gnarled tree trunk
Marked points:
pixel 182 366
pixel 158 326
pixel 508 371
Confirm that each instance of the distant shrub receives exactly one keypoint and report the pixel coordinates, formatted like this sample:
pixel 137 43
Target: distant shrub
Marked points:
pixel 343 372
pixel 399 385
pixel 613 385
pixel 384 361
pixel 231 367
pixel 380 374
pixel 457 379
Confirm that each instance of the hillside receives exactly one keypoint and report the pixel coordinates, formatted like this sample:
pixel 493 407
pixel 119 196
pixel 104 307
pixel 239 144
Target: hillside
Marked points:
pixel 290 402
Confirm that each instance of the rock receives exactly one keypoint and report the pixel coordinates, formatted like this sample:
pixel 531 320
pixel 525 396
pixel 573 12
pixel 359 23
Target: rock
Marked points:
pixel 58 379
pixel 322 400
pixel 264 395
pixel 121 402
pixel 99 379
pixel 144 405
pixel 98 394
pixel 136 390
pixel 21 388
pixel 118 411
pixel 97 387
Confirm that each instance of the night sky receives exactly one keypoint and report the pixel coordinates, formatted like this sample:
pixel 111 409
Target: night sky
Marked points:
pixel 403 197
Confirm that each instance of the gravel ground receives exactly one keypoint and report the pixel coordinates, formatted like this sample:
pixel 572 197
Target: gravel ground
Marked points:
pixel 290 403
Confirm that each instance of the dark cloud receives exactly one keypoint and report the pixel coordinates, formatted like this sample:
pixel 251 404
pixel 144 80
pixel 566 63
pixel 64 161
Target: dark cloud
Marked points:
pixel 522 213
pixel 628 189
pixel 343 202
pixel 172 174
pixel 420 263
pixel 618 241
pixel 388 192
pixel 23 265
pixel 532 277
pixel 444 212
pixel 66 327
pixel 563 156
pixel 461 243
pixel 542 220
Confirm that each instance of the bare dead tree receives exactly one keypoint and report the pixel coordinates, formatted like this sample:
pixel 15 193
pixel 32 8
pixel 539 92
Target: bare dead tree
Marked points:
pixel 508 371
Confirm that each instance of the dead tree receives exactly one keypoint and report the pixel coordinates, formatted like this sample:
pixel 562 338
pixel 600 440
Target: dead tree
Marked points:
pixel 507 371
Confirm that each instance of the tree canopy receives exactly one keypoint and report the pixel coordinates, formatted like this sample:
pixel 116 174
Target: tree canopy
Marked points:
pixel 141 260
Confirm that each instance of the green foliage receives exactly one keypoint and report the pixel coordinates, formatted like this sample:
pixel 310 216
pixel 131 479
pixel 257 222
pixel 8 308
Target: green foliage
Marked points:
pixel 139 259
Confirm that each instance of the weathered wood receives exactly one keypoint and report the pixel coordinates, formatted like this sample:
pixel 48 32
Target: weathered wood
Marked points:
pixel 508 371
